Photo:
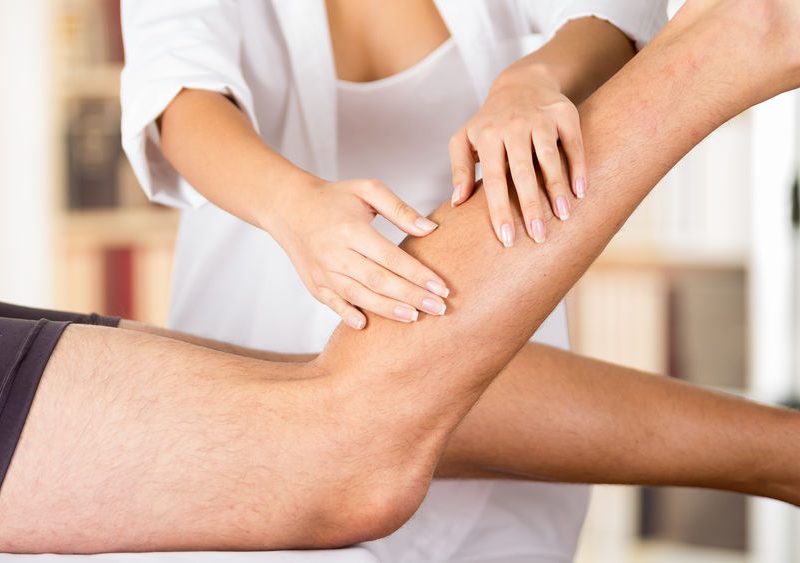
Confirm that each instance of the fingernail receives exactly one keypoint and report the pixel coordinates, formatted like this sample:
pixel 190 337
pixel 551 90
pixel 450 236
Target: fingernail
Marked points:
pixel 438 289
pixel 425 224
pixel 433 307
pixel 355 322
pixel 562 207
pixel 456 194
pixel 580 188
pixel 537 228
pixel 506 235
pixel 406 314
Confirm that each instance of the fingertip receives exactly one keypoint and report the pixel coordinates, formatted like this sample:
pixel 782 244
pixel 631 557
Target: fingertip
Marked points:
pixel 506 235
pixel 458 193
pixel 438 288
pixel 580 187
pixel 355 321
pixel 538 231
pixel 562 208
pixel 425 225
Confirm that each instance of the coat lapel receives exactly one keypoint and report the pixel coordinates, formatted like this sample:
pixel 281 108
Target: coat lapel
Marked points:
pixel 305 27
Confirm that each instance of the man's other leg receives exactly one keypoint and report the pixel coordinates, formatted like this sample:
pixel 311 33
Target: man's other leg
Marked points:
pixel 554 416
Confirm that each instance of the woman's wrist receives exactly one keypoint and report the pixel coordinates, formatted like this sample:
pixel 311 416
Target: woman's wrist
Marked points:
pixel 527 73
pixel 282 201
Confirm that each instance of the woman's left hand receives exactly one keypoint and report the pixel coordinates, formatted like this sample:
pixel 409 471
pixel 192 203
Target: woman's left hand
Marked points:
pixel 525 115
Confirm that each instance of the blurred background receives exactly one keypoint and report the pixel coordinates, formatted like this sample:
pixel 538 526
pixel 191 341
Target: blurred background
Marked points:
pixel 702 284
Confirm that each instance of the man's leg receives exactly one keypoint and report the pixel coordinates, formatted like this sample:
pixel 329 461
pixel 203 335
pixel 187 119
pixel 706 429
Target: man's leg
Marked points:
pixel 635 128
pixel 166 455
pixel 136 442
pixel 372 426
pixel 554 416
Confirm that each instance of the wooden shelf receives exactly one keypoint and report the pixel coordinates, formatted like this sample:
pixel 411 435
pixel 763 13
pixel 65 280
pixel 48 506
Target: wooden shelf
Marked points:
pixel 131 226
pixel 656 256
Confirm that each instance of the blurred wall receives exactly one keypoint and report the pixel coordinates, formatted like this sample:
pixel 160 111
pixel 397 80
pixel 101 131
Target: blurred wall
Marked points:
pixel 26 206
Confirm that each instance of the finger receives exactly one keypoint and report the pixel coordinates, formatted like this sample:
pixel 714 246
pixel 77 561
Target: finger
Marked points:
pixel 572 141
pixel 364 298
pixel 462 166
pixel 520 162
pixel 402 215
pixel 383 282
pixel 375 247
pixel 351 316
pixel 492 154
pixel 545 141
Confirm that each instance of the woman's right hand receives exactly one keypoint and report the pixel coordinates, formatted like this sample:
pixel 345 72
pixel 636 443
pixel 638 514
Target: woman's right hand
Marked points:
pixel 345 263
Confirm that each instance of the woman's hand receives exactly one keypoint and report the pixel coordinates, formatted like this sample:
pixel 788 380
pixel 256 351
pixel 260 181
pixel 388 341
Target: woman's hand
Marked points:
pixel 346 264
pixel 525 115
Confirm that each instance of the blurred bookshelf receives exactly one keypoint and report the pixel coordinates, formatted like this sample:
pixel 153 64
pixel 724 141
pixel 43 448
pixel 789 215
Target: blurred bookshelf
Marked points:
pixel 113 247
pixel 670 296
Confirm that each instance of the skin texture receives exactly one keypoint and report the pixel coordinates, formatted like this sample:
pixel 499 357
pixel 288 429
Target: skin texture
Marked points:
pixel 165 445
pixel 325 226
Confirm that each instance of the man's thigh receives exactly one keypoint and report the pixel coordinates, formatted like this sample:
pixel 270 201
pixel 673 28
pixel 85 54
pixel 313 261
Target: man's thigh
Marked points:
pixel 136 442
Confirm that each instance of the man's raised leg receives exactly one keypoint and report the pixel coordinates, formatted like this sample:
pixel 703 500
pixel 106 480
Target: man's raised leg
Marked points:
pixel 696 74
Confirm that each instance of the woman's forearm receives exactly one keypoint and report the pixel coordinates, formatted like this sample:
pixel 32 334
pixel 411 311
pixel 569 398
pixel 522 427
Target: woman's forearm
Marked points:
pixel 579 58
pixel 212 144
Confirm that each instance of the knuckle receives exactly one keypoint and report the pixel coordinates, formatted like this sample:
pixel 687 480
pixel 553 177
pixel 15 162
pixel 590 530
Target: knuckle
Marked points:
pixel 375 280
pixel 488 134
pixel 461 170
pixel 370 186
pixel 543 122
pixel 546 151
pixel 348 293
pixel 521 168
pixel 401 209
pixel 518 123
pixel 347 230
pixel 529 204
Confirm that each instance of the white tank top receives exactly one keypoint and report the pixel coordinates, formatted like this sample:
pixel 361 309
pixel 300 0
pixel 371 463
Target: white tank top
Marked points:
pixel 396 129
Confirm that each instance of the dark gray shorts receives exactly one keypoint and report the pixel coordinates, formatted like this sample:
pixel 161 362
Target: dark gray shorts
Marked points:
pixel 27 339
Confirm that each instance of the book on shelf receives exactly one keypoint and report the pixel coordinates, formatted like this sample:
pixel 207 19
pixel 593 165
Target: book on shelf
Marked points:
pixel 130 281
pixel 99 175
pixel 88 33
pixel 93 154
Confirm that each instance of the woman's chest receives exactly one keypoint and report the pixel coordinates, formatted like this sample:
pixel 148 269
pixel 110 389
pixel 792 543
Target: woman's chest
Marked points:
pixel 374 39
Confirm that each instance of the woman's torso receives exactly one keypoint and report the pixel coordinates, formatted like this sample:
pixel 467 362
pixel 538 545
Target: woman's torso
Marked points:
pixel 394 129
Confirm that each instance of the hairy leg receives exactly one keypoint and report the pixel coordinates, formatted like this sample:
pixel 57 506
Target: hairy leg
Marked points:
pixel 554 416
pixel 136 442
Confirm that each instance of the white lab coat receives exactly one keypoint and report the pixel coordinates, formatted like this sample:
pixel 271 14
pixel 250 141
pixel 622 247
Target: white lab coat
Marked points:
pixel 232 282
